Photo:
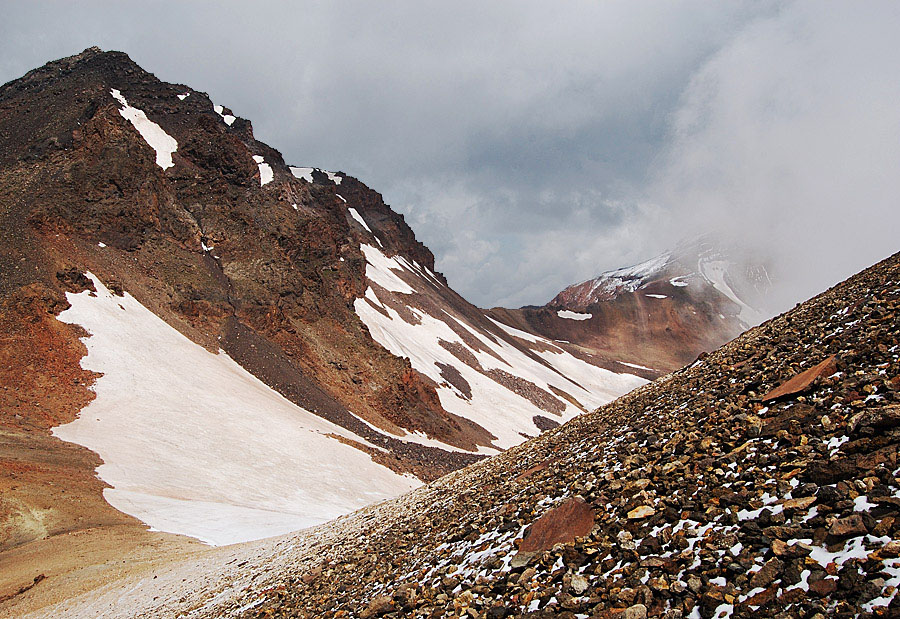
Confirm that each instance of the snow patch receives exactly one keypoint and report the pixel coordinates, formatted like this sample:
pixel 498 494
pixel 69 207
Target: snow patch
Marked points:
pixel 714 271
pixel 302 173
pixel 569 315
pixel 636 366
pixel 183 96
pixel 266 175
pixel 504 413
pixel 628 279
pixel 380 269
pixel 160 141
pixel 518 332
pixel 228 118
pixel 656 296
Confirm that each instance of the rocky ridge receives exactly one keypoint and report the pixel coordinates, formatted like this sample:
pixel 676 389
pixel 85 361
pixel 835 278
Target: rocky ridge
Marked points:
pixel 706 493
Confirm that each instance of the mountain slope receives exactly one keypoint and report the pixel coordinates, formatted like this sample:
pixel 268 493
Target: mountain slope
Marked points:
pixel 656 316
pixel 759 480
pixel 208 294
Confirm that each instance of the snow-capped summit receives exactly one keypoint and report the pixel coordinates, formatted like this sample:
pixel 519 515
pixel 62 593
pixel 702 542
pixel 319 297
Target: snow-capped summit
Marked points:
pixel 694 265
pixel 658 315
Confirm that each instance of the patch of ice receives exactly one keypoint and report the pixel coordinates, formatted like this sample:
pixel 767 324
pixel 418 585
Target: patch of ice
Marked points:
pixel 160 141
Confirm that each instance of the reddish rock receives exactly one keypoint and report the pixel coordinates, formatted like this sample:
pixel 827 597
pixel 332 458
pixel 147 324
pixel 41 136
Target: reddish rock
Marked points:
pixel 824 587
pixel 763 597
pixel 803 380
pixel 573 518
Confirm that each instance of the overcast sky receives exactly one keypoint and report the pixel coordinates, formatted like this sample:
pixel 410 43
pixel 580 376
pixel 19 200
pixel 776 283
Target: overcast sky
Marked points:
pixel 532 145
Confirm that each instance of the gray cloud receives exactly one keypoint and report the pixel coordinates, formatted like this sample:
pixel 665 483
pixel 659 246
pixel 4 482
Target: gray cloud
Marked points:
pixel 533 146
pixel 789 138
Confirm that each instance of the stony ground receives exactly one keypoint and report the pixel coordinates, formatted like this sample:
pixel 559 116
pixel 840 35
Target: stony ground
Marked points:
pixel 705 494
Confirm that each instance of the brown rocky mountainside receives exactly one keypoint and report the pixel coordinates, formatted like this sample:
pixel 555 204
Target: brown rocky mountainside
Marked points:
pixel 763 480
pixel 125 200
pixel 659 315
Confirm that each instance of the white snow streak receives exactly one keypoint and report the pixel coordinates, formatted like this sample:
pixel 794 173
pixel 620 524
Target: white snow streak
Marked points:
pixel 355 215
pixel 160 141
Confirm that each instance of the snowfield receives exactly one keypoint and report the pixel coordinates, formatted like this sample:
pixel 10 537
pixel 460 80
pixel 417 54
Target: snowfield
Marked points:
pixel 194 444
pixel 715 271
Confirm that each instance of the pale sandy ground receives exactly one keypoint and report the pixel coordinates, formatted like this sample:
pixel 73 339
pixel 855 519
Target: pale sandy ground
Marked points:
pixel 172 576
pixel 73 563
pixel 168 575
pixel 90 577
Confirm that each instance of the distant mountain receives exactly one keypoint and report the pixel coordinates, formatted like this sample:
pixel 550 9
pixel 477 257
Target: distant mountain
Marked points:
pixel 249 347
pixel 658 315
